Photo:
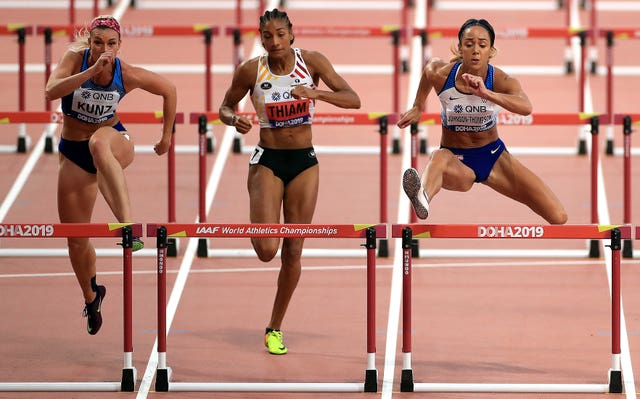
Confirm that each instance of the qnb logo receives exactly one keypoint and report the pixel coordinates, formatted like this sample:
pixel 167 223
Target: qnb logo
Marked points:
pixel 458 109
pixel 275 96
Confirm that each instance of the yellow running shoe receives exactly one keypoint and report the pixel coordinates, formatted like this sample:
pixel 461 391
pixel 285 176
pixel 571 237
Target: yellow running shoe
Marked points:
pixel 273 342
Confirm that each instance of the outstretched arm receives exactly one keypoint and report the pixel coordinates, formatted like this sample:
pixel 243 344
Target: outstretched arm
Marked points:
pixel 427 79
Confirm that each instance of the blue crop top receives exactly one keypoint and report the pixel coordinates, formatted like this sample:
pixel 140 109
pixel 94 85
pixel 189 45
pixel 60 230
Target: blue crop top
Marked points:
pixel 93 103
pixel 461 112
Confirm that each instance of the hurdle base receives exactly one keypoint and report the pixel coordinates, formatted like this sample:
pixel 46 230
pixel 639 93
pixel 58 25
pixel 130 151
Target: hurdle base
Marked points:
pixel 23 144
pixel 237 145
pixel 203 248
pixel 162 379
pixel 406 381
pixel 396 146
pixel 424 148
pixel 627 249
pixel 569 68
pixel 173 246
pixel 211 143
pixel 594 249
pixel 371 381
pixel 128 382
pixel 415 248
pixel 383 248
pixel 615 381
pixel 609 148
pixel 49 145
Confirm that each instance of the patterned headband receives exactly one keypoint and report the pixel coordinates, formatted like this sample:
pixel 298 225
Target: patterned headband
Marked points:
pixel 106 22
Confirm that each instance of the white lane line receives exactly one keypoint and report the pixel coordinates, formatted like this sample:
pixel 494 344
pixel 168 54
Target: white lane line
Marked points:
pixel 604 218
pixel 395 295
pixel 185 266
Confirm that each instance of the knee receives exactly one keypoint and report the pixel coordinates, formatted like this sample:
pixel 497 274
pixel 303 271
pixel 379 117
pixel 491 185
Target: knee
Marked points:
pixel 440 158
pixel 266 248
pixel 291 252
pixel 77 245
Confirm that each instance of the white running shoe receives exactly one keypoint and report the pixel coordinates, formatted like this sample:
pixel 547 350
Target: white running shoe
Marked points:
pixel 413 188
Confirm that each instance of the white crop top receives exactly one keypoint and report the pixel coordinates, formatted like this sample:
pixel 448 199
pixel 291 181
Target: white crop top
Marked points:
pixel 271 97
pixel 462 112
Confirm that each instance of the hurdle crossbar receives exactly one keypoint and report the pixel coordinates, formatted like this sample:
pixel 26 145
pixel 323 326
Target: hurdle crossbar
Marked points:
pixel 507 118
pixel 367 231
pixel 126 231
pixel 203 119
pixel 53 117
pixel 408 232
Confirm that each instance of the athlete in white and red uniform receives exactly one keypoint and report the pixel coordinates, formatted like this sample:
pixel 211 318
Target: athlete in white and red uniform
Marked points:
pixel 283 169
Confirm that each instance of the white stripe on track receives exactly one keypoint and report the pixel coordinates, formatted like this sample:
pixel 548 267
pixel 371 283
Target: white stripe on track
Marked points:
pixel 20 181
pixel 604 218
pixel 185 266
pixel 395 294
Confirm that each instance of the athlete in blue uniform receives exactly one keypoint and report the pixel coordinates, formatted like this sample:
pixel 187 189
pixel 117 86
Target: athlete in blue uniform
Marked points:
pixel 95 147
pixel 471 93
pixel 283 169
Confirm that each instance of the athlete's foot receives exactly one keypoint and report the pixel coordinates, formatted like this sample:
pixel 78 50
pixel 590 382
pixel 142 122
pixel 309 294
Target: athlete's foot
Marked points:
pixel 93 311
pixel 413 188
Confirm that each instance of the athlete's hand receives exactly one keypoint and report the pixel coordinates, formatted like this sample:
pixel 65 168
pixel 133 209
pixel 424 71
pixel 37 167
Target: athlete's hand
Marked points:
pixel 475 83
pixel 409 117
pixel 301 91
pixel 243 125
pixel 103 62
pixel 162 146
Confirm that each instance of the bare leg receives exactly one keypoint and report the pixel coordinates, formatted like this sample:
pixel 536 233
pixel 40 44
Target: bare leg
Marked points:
pixel 514 180
pixel 77 191
pixel 112 153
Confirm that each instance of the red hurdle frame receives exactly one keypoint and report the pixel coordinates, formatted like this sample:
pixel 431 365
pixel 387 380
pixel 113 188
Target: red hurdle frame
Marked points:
pixel 126 117
pixel 201 230
pixel 362 118
pixel 126 231
pixel 407 232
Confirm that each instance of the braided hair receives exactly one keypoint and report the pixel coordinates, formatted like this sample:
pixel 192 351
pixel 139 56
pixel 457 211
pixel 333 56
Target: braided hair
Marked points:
pixel 275 14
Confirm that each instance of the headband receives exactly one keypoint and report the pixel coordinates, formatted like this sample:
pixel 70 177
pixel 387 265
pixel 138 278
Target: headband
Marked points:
pixel 478 22
pixel 105 22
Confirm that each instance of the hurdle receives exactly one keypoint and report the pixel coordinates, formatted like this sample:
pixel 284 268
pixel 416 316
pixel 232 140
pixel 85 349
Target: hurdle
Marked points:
pixel 611 36
pixel 367 231
pixel 627 122
pixel 512 231
pixel 563 5
pixel 21 32
pixel 382 120
pixel 507 118
pixel 52 118
pixel 126 231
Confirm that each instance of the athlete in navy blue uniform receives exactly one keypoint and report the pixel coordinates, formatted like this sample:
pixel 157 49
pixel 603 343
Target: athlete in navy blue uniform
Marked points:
pixel 471 93
pixel 95 147
pixel 283 169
